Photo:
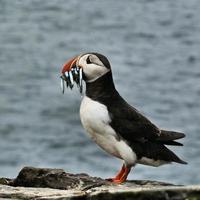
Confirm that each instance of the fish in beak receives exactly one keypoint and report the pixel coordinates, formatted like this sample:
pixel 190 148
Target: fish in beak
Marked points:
pixel 72 72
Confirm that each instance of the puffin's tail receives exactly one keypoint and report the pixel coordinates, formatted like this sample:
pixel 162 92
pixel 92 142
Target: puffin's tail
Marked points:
pixel 173 157
pixel 168 137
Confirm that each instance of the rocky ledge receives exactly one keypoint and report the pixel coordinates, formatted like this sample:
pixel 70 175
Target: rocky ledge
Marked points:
pixel 43 184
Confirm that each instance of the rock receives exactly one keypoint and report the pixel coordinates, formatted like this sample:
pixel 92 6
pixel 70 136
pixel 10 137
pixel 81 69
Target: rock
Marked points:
pixel 54 178
pixel 5 181
pixel 38 184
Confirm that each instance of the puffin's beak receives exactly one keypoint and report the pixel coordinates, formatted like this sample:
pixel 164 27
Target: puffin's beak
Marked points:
pixel 68 65
pixel 71 72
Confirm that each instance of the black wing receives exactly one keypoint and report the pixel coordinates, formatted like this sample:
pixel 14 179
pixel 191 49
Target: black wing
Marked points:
pixel 129 123
pixel 143 136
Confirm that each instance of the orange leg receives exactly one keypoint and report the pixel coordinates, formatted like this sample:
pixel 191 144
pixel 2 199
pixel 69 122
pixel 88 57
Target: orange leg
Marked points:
pixel 122 175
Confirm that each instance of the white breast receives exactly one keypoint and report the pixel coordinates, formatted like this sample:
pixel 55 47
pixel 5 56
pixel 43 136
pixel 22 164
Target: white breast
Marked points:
pixel 95 119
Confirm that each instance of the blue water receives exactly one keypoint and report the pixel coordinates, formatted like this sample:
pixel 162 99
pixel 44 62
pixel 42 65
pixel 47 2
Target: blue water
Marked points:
pixel 154 49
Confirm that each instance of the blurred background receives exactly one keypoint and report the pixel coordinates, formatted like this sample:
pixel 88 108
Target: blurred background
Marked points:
pixel 154 49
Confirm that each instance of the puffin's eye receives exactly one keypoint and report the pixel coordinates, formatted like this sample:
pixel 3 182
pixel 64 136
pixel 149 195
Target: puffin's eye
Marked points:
pixel 88 60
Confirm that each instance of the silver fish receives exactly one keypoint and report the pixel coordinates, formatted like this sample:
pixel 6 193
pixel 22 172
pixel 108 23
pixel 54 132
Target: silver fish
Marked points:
pixel 67 82
pixel 74 75
pixel 76 70
pixel 71 79
pixel 66 74
pixel 62 85
pixel 81 80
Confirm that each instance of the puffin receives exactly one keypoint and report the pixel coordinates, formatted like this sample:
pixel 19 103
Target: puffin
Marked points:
pixel 117 127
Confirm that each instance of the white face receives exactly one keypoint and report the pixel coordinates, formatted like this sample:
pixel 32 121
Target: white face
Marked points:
pixel 92 67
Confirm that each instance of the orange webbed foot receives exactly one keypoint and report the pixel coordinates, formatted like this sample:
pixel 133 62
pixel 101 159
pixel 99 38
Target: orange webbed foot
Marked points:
pixel 121 176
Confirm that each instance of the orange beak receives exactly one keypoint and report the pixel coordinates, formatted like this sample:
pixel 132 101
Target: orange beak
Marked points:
pixel 71 73
pixel 68 65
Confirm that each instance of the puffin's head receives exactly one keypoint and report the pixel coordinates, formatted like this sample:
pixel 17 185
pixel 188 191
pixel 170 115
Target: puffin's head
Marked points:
pixel 93 65
pixel 88 66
